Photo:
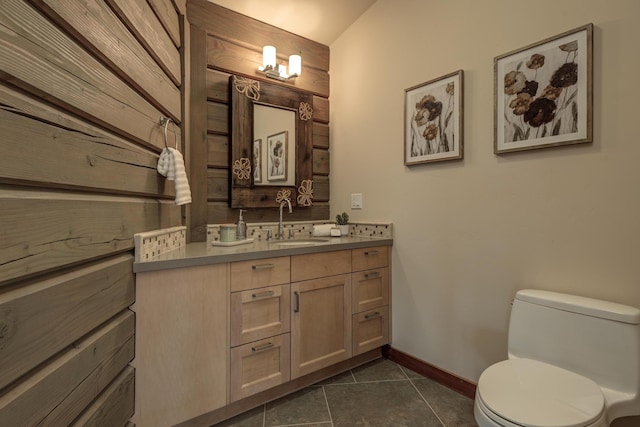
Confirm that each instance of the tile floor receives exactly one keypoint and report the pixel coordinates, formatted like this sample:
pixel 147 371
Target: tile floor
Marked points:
pixel 378 394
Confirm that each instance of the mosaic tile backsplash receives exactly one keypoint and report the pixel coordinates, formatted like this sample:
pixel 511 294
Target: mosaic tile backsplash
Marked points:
pixel 153 243
pixel 304 229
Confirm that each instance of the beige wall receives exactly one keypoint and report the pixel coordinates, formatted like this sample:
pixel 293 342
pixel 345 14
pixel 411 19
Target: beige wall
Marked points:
pixel 469 233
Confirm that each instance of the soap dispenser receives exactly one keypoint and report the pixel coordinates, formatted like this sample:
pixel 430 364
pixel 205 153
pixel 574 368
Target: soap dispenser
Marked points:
pixel 241 230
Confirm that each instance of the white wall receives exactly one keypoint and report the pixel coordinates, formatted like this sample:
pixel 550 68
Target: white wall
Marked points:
pixel 469 233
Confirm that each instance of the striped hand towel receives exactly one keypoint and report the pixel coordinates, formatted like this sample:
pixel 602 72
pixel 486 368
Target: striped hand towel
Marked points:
pixel 171 165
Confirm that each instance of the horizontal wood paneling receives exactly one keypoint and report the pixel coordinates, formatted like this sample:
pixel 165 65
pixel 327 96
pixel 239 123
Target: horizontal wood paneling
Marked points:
pixel 44 231
pixel 217 118
pixel 50 65
pixel 114 406
pixel 240 30
pixel 320 135
pixel 218 151
pixel 96 25
pixel 227 56
pixel 320 162
pixel 56 394
pixel 218 185
pixel 217 86
pixel 92 157
pixel 141 21
pixel 320 109
pixel 51 314
pixel 320 188
pixel 168 16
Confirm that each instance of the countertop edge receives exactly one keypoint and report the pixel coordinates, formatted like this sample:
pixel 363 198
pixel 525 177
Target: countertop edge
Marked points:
pixel 199 254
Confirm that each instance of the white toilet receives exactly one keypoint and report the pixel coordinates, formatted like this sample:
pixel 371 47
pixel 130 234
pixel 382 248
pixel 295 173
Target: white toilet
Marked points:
pixel 572 362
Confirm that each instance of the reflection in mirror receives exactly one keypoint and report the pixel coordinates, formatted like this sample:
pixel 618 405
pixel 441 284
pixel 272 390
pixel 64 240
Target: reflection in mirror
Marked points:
pixel 274 145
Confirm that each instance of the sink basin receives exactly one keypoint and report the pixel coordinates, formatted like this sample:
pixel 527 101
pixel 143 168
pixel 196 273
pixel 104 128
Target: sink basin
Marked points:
pixel 298 242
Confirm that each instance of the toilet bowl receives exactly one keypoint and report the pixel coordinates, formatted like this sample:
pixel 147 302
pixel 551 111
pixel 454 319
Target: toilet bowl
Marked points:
pixel 572 362
pixel 539 395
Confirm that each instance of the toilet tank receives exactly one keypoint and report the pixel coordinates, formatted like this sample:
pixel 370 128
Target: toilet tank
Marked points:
pixel 597 339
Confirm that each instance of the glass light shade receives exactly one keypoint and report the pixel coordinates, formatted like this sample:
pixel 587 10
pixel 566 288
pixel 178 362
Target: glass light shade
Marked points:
pixel 295 65
pixel 268 56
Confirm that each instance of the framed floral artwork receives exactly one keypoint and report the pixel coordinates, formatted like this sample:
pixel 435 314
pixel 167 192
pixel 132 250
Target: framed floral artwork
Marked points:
pixel 277 157
pixel 544 93
pixel 433 120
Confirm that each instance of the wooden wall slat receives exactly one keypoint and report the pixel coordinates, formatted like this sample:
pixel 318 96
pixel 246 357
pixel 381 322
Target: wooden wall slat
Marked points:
pixel 320 135
pixel 92 157
pixel 43 231
pixel 198 130
pixel 217 86
pixel 168 16
pixel 114 406
pixel 218 151
pixel 320 188
pixel 239 29
pixel 50 65
pixel 51 314
pixel 95 24
pixel 236 59
pixel 56 394
pixel 218 185
pixel 217 118
pixel 320 162
pixel 141 20
pixel 320 109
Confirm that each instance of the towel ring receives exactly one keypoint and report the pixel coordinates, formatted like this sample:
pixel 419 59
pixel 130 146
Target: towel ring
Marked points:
pixel 165 121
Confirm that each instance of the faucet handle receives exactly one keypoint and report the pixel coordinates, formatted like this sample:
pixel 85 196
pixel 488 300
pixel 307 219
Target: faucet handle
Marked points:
pixel 269 236
pixel 291 233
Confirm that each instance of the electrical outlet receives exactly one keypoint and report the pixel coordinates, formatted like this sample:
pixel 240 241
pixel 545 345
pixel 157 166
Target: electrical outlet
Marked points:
pixel 356 201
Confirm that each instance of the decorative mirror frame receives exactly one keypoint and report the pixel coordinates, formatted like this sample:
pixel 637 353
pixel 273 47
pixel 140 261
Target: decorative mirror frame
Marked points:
pixel 244 93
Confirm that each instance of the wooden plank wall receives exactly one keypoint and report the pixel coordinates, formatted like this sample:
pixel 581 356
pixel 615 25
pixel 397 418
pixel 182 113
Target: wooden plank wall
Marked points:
pixel 224 43
pixel 83 84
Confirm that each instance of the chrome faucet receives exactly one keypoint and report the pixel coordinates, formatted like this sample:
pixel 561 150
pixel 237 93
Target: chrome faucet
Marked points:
pixel 280 234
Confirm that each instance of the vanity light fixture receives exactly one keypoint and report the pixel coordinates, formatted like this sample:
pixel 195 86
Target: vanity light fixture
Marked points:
pixel 279 71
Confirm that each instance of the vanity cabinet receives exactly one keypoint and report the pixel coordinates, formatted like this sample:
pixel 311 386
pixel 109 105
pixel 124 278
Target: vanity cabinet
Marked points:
pixel 259 326
pixel 181 351
pixel 370 298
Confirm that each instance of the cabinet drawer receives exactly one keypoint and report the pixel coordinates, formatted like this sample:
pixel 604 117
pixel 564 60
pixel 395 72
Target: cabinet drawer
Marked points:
pixel 370 329
pixel 370 289
pixel 311 266
pixel 259 365
pixel 259 273
pixel 368 258
pixel 260 313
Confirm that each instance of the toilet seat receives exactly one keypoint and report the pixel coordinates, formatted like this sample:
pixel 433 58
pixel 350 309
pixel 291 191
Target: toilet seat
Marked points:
pixel 526 392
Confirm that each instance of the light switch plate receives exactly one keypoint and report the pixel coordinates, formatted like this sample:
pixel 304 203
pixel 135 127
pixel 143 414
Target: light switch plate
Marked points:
pixel 356 201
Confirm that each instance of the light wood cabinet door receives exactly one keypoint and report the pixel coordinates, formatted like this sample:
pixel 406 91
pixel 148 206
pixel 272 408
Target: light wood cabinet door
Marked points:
pixel 370 329
pixel 181 357
pixel 370 289
pixel 369 258
pixel 259 365
pixel 259 313
pixel 320 323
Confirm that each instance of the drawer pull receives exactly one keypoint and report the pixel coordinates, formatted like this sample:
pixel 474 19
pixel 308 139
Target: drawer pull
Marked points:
pixel 372 275
pixel 262 347
pixel 372 316
pixel 262 266
pixel 264 294
pixel 372 252
pixel 296 307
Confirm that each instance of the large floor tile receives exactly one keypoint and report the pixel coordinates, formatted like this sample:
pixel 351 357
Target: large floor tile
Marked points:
pixel 252 418
pixel 303 407
pixel 383 404
pixel 379 370
pixel 454 409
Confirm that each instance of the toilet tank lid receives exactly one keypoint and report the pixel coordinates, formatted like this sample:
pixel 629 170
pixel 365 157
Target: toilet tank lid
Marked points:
pixel 581 305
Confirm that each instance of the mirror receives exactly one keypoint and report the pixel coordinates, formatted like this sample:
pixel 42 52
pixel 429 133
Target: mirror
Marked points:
pixel 271 127
pixel 274 145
